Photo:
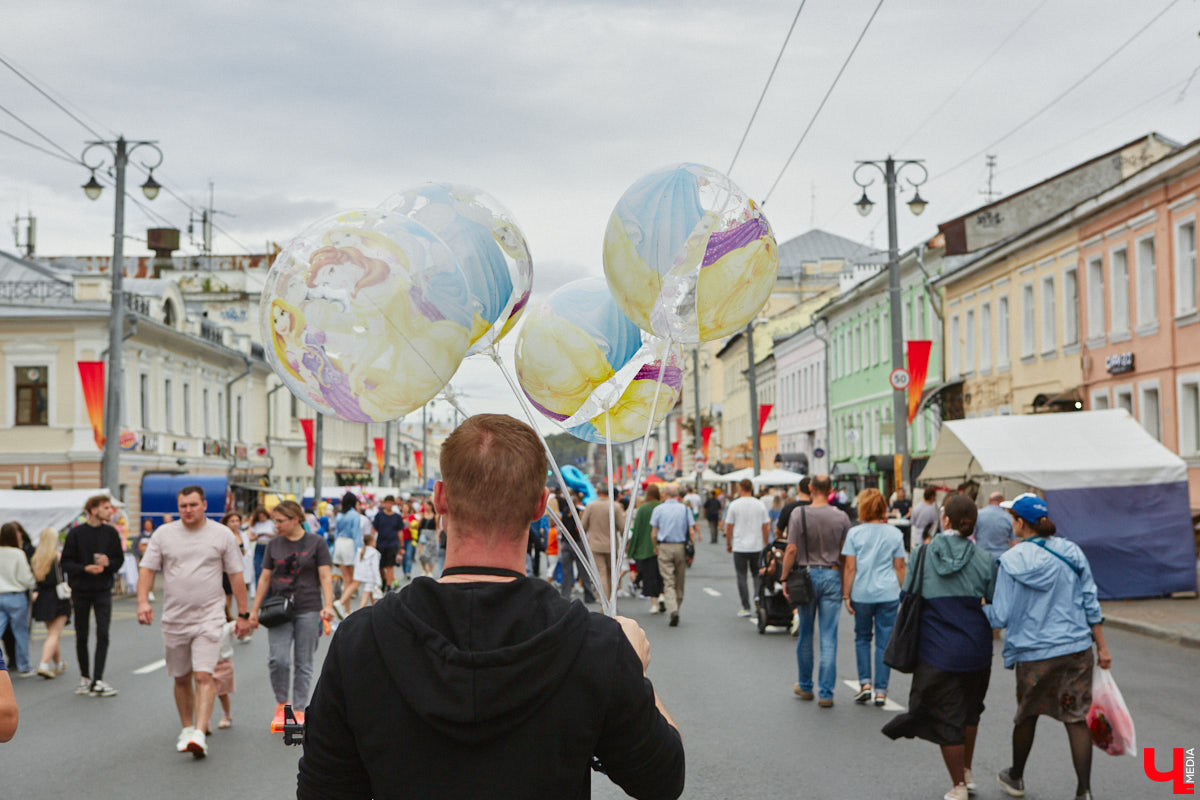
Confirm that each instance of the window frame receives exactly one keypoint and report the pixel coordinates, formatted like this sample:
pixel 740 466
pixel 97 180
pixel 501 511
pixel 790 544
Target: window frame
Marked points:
pixel 1028 320
pixel 985 337
pixel 1121 250
pixel 1003 332
pixel 1070 307
pixel 1143 389
pixel 1049 316
pixel 1097 323
pixel 1147 278
pixel 1185 385
pixel 44 385
pixel 1182 270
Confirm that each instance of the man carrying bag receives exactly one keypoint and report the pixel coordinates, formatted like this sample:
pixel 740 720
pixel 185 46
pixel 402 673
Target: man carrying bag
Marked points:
pixel 817 533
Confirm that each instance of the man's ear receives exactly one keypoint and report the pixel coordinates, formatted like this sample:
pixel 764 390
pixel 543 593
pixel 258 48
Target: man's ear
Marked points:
pixel 540 511
pixel 439 498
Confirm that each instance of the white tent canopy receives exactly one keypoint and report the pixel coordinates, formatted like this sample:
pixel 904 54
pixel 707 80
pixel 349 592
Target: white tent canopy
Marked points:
pixel 777 477
pixel 708 476
pixel 737 475
pixel 53 508
pixel 1081 449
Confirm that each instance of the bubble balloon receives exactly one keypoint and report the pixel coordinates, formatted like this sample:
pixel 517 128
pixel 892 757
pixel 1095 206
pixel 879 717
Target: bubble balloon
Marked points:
pixel 489 246
pixel 365 315
pixel 688 256
pixel 577 356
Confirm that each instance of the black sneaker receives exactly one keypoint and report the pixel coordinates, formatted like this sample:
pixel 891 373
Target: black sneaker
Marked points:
pixel 674 623
pixel 1015 787
pixel 662 605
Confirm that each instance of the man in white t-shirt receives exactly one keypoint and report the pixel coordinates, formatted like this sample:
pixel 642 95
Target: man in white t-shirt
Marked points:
pixel 693 501
pixel 192 554
pixel 747 528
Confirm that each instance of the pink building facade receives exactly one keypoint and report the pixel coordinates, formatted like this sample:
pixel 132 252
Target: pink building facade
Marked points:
pixel 1139 297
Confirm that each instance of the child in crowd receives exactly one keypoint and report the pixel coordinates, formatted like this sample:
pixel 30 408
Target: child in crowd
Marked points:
pixel 366 570
pixel 223 674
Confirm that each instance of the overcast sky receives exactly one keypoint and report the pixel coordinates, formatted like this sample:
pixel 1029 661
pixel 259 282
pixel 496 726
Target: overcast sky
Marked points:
pixel 295 110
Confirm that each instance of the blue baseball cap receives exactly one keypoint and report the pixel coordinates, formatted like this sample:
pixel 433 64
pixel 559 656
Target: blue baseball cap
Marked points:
pixel 1028 507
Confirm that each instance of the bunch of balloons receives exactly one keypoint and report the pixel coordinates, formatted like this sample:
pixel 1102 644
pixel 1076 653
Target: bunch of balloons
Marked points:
pixel 367 314
pixel 688 258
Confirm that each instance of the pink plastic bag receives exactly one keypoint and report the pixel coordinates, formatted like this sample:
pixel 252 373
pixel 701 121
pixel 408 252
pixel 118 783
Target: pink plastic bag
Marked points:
pixel 1109 719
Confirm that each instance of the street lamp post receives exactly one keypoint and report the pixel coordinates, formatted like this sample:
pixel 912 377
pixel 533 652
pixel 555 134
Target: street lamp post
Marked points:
pixel 891 169
pixel 119 151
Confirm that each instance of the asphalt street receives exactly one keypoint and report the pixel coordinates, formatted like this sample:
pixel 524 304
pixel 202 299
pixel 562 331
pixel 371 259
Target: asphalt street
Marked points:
pixel 729 688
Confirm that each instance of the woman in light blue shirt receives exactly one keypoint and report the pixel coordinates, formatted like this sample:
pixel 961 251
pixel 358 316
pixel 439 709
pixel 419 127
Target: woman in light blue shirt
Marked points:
pixel 875 567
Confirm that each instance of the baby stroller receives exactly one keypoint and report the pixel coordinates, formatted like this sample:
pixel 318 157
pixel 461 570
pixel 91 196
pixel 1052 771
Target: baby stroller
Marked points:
pixel 773 607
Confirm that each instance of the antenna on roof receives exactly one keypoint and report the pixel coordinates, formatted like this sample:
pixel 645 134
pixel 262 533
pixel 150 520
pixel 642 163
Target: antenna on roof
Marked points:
pixel 991 193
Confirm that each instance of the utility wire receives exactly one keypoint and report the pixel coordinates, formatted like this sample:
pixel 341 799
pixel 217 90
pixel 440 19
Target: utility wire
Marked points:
pixel 817 113
pixel 766 86
pixel 1060 96
pixel 40 135
pixel 39 148
pixel 974 72
pixel 46 95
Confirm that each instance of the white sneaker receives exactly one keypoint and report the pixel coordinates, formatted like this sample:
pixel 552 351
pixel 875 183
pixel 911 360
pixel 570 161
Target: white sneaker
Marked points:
pixel 46 670
pixel 84 686
pixel 339 609
pixel 653 607
pixel 102 689
pixel 959 792
pixel 969 780
pixel 197 744
pixel 185 736
pixel 60 668
pixel 745 612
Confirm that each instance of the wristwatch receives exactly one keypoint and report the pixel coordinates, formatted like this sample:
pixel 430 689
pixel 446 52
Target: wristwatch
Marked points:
pixel 244 615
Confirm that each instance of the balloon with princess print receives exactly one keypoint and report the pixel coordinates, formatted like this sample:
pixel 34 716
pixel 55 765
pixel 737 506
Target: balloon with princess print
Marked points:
pixel 585 365
pixel 365 315
pixel 688 256
pixel 490 248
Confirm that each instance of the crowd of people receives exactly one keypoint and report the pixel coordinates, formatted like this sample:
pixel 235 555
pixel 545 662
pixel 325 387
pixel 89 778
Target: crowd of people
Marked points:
pixel 977 571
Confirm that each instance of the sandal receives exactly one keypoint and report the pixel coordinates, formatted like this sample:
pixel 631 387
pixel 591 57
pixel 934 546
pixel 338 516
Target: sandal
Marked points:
pixel 226 722
pixel 864 693
pixel 880 699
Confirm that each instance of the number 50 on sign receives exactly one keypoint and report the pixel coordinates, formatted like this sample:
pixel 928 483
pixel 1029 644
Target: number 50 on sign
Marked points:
pixel 899 379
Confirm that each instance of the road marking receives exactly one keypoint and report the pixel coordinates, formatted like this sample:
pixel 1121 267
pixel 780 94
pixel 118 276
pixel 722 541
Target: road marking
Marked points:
pixel 888 705
pixel 711 592
pixel 151 667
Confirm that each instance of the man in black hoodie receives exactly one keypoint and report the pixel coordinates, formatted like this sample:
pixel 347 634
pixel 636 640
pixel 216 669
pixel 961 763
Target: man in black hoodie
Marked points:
pixel 489 682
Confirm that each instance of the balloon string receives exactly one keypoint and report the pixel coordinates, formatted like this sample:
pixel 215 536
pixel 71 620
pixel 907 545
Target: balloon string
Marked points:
pixel 637 481
pixel 586 558
pixel 615 556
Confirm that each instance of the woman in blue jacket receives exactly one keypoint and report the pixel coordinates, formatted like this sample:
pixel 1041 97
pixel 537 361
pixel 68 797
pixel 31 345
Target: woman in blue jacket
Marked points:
pixel 1046 599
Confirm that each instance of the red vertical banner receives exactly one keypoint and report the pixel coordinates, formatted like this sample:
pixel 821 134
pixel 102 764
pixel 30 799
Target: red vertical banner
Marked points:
pixel 764 411
pixel 307 425
pixel 649 459
pixel 418 458
pixel 91 379
pixel 705 435
pixel 918 371
pixel 379 453
pixel 628 471
pixel 637 462
pixel 675 451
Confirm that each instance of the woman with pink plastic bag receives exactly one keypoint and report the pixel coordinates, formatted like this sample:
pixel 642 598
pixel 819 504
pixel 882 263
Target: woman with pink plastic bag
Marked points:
pixel 1046 599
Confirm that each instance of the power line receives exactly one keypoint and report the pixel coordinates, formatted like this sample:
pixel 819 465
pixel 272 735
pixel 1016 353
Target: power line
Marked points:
pixel 40 135
pixel 39 148
pixel 767 85
pixel 817 113
pixel 1060 96
pixel 44 94
pixel 974 72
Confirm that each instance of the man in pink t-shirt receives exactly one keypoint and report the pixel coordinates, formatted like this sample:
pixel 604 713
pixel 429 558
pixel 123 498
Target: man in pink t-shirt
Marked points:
pixel 192 554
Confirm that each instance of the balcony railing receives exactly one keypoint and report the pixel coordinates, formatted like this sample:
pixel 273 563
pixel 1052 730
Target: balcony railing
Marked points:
pixel 34 291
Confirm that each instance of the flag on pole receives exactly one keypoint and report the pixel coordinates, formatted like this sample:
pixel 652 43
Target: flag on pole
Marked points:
pixel 307 425
pixel 764 411
pixel 705 435
pixel 918 371
pixel 91 378
pixel 379 453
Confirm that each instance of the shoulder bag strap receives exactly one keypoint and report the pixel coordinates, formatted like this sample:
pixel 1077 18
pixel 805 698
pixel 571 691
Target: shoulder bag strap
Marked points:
pixel 919 568
pixel 804 533
pixel 1042 544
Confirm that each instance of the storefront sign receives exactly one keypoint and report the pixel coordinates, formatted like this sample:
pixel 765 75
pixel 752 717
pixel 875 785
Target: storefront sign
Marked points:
pixel 213 447
pixel 1121 362
pixel 181 447
pixel 239 451
pixel 149 442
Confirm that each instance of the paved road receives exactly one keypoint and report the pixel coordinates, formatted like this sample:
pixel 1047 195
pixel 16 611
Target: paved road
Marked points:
pixel 729 688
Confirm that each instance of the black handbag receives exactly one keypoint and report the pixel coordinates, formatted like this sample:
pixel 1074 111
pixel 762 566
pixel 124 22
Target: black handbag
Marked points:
pixel 275 611
pixel 799 582
pixel 904 645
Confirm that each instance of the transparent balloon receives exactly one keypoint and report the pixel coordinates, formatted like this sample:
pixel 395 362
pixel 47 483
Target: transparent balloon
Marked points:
pixel 490 248
pixel 585 365
pixel 365 315
pixel 688 256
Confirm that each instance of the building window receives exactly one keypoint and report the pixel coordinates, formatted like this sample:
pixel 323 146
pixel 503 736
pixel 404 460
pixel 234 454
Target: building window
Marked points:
pixel 1119 278
pixel 1185 267
pixel 239 419
pixel 206 413
pixel 955 347
pixel 985 336
pixel 1125 399
pixel 1189 418
pixel 144 398
pixel 864 330
pixel 33 395
pixel 1049 323
pixel 1002 332
pixel 187 409
pixel 1147 283
pixel 874 329
pixel 1100 400
pixel 1070 307
pixel 1027 343
pixel 220 414
pixel 1095 291
pixel 1151 420
pixel 168 407
pixel 969 343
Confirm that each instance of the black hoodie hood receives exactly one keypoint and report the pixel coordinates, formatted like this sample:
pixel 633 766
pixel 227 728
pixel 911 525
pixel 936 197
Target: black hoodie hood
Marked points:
pixel 471 674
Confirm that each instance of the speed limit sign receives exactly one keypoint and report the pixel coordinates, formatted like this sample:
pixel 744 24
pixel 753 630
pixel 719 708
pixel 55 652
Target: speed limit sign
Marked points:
pixel 899 379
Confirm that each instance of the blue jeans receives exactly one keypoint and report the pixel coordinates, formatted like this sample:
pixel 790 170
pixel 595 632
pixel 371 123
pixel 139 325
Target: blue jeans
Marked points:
pixel 14 613
pixel 827 601
pixel 406 562
pixel 881 616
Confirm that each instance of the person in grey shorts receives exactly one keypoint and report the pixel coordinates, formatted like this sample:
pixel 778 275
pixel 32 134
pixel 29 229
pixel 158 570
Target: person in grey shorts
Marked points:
pixel 296 565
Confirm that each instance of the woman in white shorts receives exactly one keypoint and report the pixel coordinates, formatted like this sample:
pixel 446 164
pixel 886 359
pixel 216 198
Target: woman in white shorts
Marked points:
pixel 348 525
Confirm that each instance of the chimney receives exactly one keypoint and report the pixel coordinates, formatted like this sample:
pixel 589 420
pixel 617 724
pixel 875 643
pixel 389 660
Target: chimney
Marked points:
pixel 163 241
